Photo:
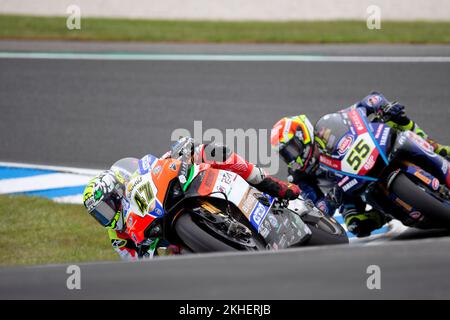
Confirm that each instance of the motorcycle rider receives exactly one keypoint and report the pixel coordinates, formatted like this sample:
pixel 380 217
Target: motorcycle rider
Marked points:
pixel 104 196
pixel 297 145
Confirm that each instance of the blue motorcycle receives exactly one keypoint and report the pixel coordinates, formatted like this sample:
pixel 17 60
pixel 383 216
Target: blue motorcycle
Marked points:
pixel 396 172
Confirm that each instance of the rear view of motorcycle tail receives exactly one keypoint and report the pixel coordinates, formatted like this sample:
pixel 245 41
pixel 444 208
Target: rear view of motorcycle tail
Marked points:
pixel 241 217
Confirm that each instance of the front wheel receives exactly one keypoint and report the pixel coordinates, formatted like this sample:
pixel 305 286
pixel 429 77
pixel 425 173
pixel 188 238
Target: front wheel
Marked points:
pixel 420 200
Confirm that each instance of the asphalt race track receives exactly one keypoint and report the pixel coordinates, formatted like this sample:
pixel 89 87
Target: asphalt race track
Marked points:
pixel 90 113
pixel 414 270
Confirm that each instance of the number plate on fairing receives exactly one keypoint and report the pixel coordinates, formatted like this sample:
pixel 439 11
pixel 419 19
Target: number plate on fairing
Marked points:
pixel 361 156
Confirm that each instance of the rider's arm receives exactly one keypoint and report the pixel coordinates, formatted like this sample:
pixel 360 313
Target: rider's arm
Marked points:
pixel 375 102
pixel 123 245
pixel 221 157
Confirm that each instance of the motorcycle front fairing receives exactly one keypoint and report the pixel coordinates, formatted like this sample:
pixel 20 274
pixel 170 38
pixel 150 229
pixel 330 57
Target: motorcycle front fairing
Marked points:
pixel 353 149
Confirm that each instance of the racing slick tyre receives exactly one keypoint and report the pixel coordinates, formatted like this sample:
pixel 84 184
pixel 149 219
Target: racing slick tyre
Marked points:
pixel 199 240
pixel 327 231
pixel 420 200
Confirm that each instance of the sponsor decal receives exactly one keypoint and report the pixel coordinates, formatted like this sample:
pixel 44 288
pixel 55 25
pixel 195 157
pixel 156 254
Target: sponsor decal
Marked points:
pixel 444 167
pixel 248 203
pixel 273 221
pixel 435 184
pixel 227 177
pixel 209 179
pixel 224 182
pixel 173 166
pixel 350 185
pixel 258 215
pixel 415 215
pixel 344 144
pixel 183 169
pixel 158 211
pixel 118 243
pixel 283 241
pixel 373 100
pixel 379 130
pixel 133 184
pixel 384 137
pixel 329 162
pixel 403 204
pixel 145 163
pixel 370 163
pixel 356 120
pixel 322 206
pixel 156 170
pixel 264 232
pixel 343 181
pixel 424 145
pixel 425 179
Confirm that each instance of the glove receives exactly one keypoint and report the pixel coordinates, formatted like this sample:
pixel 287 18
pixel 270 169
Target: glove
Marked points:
pixel 393 109
pixel 278 188
pixel 183 149
pixel 363 224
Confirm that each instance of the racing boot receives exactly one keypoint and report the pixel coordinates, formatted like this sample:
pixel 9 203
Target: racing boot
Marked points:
pixel 362 224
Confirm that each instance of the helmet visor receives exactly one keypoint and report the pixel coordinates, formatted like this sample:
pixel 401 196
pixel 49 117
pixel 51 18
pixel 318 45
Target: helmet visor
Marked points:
pixel 291 150
pixel 104 213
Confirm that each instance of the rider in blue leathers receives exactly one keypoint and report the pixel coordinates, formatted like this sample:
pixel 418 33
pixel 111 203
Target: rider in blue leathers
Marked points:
pixel 295 141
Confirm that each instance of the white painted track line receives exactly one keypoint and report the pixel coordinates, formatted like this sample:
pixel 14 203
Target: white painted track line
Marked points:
pixel 218 57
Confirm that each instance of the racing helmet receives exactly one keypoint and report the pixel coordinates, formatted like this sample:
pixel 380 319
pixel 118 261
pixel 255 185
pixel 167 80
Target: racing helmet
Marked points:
pixel 293 138
pixel 102 197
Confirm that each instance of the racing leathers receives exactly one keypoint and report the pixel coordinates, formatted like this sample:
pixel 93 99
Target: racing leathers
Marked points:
pixel 219 157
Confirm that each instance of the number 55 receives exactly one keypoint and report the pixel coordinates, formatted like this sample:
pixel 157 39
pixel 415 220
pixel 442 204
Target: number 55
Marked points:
pixel 359 152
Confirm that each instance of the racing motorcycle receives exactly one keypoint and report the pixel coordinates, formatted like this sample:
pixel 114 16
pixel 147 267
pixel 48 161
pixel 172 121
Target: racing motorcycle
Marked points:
pixel 207 210
pixel 396 172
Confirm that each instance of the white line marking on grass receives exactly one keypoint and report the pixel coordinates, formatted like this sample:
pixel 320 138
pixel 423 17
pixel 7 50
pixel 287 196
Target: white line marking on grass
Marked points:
pixel 215 57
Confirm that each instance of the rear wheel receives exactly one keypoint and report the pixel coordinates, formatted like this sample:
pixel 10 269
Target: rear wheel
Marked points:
pixel 196 237
pixel 420 200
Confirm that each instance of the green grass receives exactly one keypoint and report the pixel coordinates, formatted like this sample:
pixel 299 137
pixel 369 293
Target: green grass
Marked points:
pixel 39 231
pixel 25 27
